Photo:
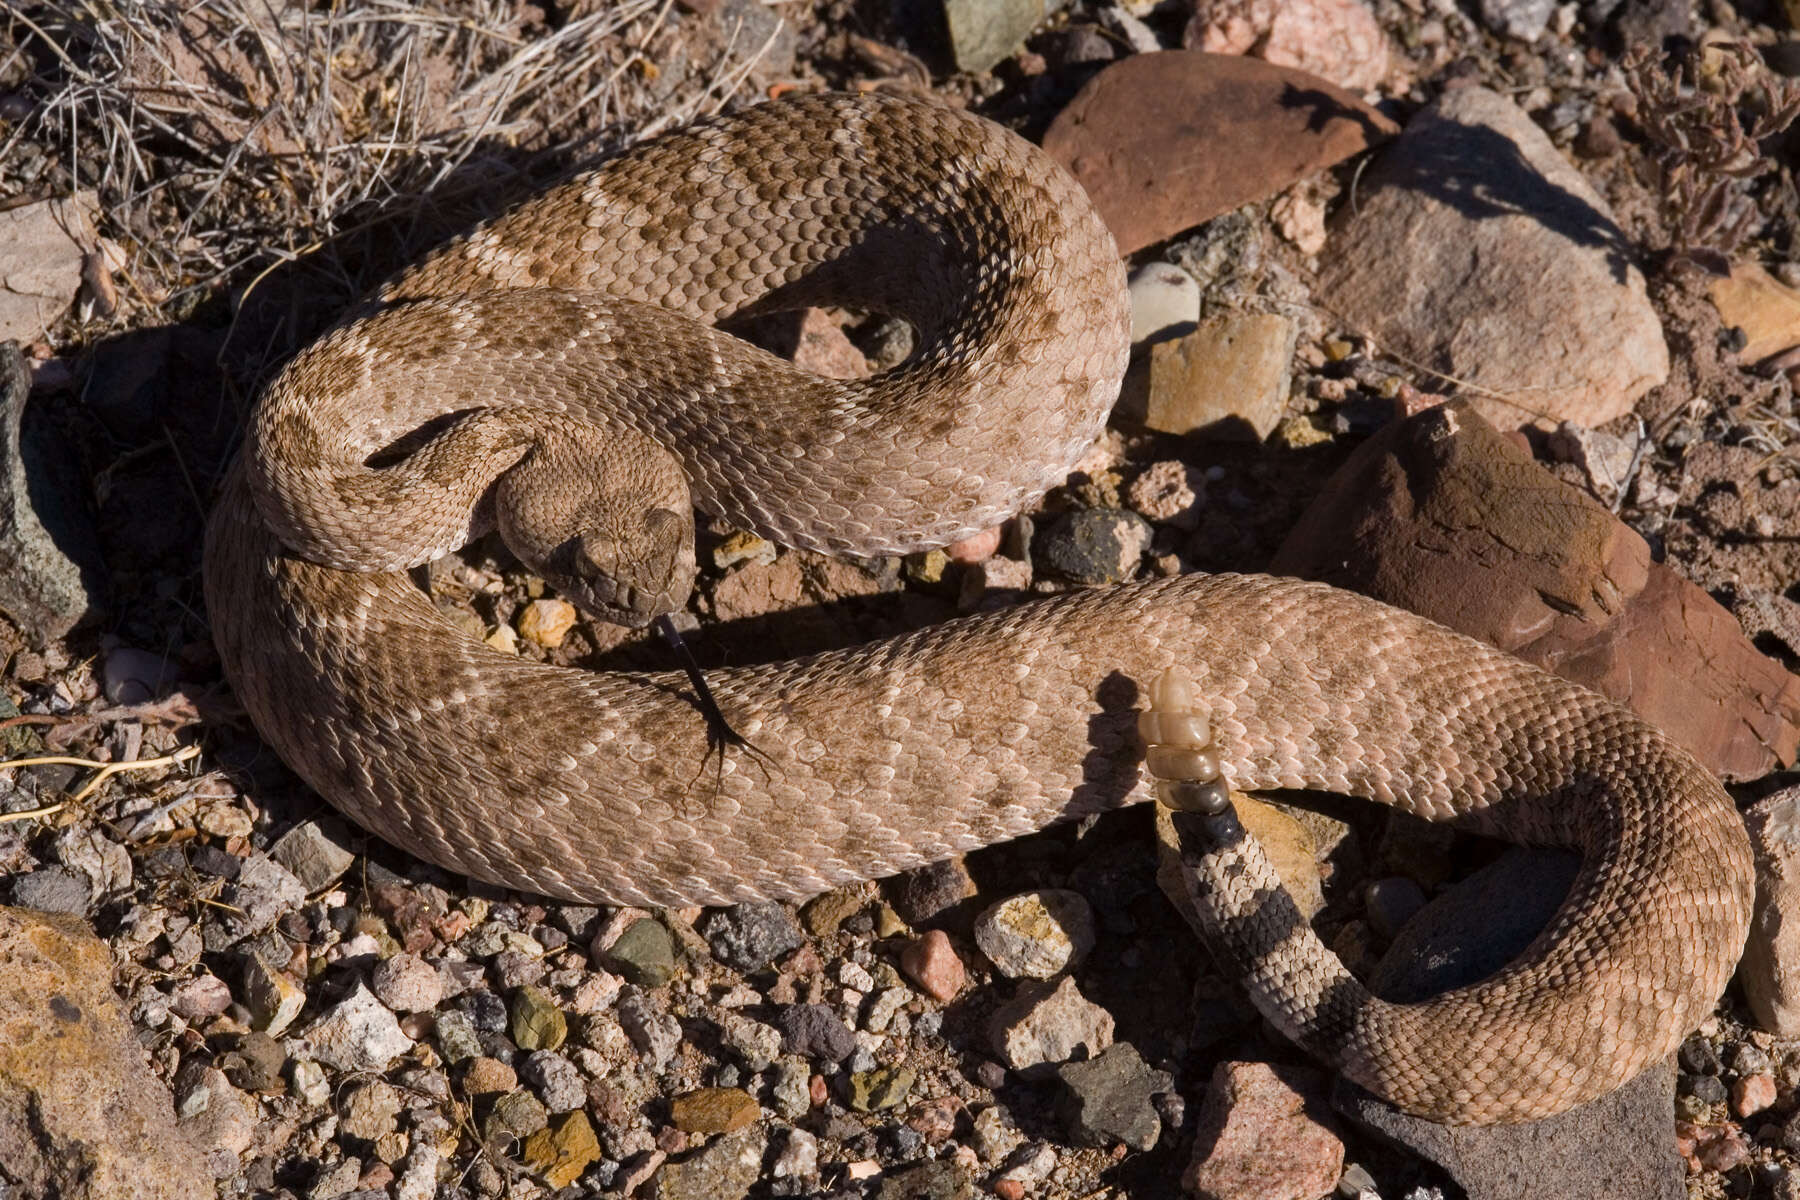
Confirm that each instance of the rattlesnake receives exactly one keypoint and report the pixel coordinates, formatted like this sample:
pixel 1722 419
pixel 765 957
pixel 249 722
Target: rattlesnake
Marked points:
pixel 594 301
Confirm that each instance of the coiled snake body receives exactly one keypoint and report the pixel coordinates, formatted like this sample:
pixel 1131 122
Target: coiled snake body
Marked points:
pixel 592 305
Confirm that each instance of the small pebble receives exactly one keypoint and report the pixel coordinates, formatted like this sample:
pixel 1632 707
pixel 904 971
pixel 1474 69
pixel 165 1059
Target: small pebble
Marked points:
pixel 1093 545
pixel 1165 302
pixel 559 1085
pixel 644 954
pixel 881 1088
pixel 201 997
pixel 484 1075
pixel 713 1110
pixel 930 961
pixel 407 983
pixel 799 1158
pixel 924 894
pixel 749 937
pixel 1391 903
pixel 1036 935
pixel 814 1031
pixel 1708 1089
pixel 536 1022
pixel 561 1152
pixel 1752 1094
pixel 546 623
pixel 1698 1056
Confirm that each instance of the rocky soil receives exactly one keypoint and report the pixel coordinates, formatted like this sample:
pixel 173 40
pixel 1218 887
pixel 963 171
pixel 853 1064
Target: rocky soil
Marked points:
pixel 1489 309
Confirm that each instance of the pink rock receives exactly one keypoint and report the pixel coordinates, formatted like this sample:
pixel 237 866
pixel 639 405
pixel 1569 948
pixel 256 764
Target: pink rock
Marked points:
pixel 201 997
pixel 1258 1138
pixel 1339 40
pixel 1752 1094
pixel 932 962
pixel 977 547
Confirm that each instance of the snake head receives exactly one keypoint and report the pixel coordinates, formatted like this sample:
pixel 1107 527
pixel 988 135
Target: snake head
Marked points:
pixel 630 576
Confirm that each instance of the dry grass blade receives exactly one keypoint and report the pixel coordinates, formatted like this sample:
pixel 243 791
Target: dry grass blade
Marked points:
pixel 260 129
pixel 103 772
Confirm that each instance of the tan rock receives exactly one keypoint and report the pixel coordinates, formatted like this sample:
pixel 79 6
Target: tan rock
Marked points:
pixel 81 1115
pixel 1228 378
pixel 563 1151
pixel 1291 848
pixel 1165 141
pixel 1476 250
pixel 41 250
pixel 1770 969
pixel 546 622
pixel 1049 1023
pixel 713 1110
pixel 1766 309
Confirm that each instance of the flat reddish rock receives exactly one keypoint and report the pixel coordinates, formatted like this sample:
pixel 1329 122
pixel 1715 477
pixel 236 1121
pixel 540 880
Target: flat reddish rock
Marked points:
pixel 1165 141
pixel 1444 515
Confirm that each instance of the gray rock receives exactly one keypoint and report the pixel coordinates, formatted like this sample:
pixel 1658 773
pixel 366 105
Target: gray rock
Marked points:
pixel 1476 927
pixel 262 892
pixel 1036 935
pixel 134 676
pixel 935 892
pixel 558 1083
pixel 656 1034
pixel 791 1091
pixel 1391 903
pixel 52 889
pixel 982 32
pixel 1472 242
pixel 814 1031
pixel 1108 1099
pixel 358 1033
pixel 724 1169
pixel 216 1115
pixel 457 1037
pixel 1165 302
pixel 1617 1146
pixel 314 853
pixel 941 1179
pixel 51 575
pixel 754 1042
pixel 644 954
pixel 516 1114
pixel 1522 19
pixel 749 937
pixel 1094 545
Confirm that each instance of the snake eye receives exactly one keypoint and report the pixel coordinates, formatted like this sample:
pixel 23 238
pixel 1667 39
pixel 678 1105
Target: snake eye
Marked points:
pixel 596 556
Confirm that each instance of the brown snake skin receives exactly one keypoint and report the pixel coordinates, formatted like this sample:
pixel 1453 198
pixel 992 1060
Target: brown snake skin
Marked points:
pixel 600 787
